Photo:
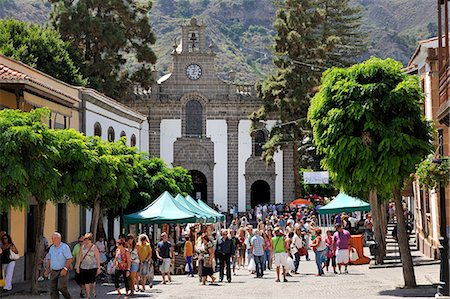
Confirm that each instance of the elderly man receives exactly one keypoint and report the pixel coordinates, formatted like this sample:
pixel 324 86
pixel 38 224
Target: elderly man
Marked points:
pixel 257 246
pixel 58 261
pixel 225 248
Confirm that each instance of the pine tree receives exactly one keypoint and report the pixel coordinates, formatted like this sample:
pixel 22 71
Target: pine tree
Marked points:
pixel 111 35
pixel 311 34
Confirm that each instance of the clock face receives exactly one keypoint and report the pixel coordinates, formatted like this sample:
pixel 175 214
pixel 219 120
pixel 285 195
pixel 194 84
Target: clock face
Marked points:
pixel 193 71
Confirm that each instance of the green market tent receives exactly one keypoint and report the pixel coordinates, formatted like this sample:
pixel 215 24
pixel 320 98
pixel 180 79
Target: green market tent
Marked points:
pixel 164 210
pixel 207 209
pixel 211 210
pixel 344 203
pixel 192 206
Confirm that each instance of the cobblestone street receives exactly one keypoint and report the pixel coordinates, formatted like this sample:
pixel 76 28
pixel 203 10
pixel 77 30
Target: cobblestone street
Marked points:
pixel 361 282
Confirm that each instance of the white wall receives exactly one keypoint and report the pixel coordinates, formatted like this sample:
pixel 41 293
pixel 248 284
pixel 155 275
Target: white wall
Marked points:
pixel 244 152
pixel 217 131
pixel 170 130
pixel 278 160
pixel 108 119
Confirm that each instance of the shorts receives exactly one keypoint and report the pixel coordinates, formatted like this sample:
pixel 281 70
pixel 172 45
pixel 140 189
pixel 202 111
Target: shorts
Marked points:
pixel 144 268
pixel 165 265
pixel 342 256
pixel 279 259
pixel 88 276
pixel 134 267
pixel 242 252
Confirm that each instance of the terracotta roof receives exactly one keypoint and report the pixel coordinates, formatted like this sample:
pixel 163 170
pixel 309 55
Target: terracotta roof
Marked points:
pixel 9 74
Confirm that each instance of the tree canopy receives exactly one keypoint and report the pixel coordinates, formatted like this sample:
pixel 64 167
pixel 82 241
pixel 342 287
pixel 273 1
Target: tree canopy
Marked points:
pixel 367 122
pixel 114 37
pixel 41 48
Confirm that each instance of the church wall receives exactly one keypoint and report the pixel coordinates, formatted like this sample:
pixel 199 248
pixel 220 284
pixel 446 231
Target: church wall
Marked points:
pixel 278 159
pixel 244 152
pixel 217 131
pixel 170 130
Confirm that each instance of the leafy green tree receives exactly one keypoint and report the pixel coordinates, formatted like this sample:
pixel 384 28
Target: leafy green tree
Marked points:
pixel 28 168
pixel 367 122
pixel 110 35
pixel 41 48
pixel 310 34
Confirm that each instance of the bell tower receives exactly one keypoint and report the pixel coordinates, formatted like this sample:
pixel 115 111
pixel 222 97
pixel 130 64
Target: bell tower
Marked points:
pixel 193 38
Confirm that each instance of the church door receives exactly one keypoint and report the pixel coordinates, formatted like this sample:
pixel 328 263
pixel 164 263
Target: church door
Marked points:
pixel 260 193
pixel 200 186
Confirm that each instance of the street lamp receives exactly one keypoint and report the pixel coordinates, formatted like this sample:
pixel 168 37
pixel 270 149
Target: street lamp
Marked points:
pixel 443 240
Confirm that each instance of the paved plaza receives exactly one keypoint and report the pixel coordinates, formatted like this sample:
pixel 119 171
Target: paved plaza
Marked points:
pixel 361 282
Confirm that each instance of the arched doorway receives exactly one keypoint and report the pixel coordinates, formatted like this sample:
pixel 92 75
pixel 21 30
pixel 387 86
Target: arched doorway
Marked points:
pixel 200 185
pixel 260 193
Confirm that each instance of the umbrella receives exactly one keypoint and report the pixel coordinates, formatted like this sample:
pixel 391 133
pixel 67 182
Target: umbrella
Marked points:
pixel 301 201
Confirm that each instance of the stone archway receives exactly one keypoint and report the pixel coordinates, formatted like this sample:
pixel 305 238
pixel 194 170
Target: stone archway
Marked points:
pixel 259 193
pixel 200 185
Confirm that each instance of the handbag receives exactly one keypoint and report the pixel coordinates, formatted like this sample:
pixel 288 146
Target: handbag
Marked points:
pixel 13 256
pixel 302 251
pixel 207 262
pixel 353 254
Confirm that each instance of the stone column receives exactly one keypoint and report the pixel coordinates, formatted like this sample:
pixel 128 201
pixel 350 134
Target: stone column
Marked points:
pixel 288 174
pixel 154 135
pixel 233 160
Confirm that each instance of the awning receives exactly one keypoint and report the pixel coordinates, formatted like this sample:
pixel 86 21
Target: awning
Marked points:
pixel 344 203
pixel 205 207
pixel 164 210
pixel 192 206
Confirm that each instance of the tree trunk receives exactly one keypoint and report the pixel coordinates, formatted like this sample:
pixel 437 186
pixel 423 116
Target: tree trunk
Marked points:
pixel 38 237
pixel 383 226
pixel 100 227
pixel 374 206
pixel 403 242
pixel 95 217
pixel 297 185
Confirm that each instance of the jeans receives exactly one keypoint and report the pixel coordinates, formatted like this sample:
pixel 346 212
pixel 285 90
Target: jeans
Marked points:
pixel 189 262
pixel 225 260
pixel 259 265
pixel 266 259
pixel 58 284
pixel 319 255
pixel 296 261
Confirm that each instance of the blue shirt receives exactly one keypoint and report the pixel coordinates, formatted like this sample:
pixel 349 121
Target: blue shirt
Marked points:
pixel 258 243
pixel 58 256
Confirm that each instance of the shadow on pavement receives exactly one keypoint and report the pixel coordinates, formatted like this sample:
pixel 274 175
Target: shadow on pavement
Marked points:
pixel 422 291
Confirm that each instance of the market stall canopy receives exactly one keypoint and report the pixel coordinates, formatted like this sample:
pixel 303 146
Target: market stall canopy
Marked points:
pixel 344 203
pixel 205 207
pixel 300 202
pixel 193 206
pixel 164 210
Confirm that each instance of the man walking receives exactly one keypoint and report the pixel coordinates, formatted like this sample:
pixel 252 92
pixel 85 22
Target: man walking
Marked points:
pixel 165 255
pixel 342 242
pixel 257 246
pixel 58 262
pixel 225 249
pixel 279 253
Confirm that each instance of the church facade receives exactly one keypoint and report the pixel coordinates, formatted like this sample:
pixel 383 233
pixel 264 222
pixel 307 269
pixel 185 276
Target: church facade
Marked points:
pixel 200 122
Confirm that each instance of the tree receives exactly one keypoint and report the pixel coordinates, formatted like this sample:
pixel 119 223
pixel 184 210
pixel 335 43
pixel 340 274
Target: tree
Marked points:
pixel 311 34
pixel 111 35
pixel 367 122
pixel 153 177
pixel 41 48
pixel 28 168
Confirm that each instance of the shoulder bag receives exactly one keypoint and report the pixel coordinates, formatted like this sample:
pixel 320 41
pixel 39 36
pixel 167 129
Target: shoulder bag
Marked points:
pixel 12 255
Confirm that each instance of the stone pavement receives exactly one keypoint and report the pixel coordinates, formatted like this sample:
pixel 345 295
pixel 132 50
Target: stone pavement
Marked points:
pixel 361 282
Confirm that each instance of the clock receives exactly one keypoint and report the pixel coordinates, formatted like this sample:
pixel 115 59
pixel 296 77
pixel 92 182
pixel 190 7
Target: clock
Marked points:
pixel 193 71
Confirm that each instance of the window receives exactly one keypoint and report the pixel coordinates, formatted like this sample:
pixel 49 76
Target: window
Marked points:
pixel 194 119
pixel 97 130
pixel 133 140
pixel 122 134
pixel 260 140
pixel 194 41
pixel 111 134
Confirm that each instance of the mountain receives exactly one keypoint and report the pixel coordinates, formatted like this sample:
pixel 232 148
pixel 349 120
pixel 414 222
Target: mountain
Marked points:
pixel 241 31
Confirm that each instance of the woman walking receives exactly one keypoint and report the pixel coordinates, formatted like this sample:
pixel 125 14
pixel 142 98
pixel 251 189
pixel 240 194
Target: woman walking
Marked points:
pixel 122 261
pixel 207 253
pixel 7 263
pixel 241 248
pixel 145 258
pixel 88 265
pixel 331 253
pixel 135 262
pixel 268 248
pixel 319 247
